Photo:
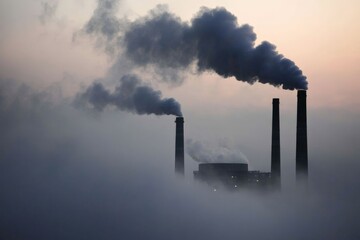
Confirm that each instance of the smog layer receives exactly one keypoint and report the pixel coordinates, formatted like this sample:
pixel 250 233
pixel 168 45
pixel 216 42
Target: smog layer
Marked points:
pixel 88 97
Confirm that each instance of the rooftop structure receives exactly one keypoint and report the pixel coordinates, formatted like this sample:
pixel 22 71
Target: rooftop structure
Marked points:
pixel 232 176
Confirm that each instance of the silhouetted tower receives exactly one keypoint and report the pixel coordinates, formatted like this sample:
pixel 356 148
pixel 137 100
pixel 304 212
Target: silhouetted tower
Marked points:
pixel 275 145
pixel 179 146
pixel 301 139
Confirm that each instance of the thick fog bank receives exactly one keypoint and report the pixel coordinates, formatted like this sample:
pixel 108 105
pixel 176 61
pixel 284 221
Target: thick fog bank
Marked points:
pixel 69 174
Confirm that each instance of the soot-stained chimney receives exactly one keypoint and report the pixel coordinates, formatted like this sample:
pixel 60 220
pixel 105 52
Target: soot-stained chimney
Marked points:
pixel 179 146
pixel 275 145
pixel 301 139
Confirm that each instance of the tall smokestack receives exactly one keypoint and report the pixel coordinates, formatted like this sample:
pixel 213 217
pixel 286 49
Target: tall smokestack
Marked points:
pixel 301 139
pixel 275 145
pixel 179 146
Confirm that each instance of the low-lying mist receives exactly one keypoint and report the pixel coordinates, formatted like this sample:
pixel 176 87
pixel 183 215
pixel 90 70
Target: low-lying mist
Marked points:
pixel 107 173
pixel 65 174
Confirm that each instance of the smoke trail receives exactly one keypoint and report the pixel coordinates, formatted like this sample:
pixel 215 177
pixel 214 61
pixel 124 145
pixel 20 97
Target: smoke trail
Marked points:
pixel 215 41
pixel 130 95
pixel 48 10
pixel 105 25
pixel 206 154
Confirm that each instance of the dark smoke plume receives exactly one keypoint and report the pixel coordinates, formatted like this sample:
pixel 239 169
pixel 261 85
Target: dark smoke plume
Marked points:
pixel 215 41
pixel 130 95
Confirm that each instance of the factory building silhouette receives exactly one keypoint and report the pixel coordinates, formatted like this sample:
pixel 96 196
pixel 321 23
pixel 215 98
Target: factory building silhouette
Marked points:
pixel 233 176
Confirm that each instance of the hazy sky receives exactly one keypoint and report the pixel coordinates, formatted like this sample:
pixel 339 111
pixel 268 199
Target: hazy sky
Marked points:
pixel 72 173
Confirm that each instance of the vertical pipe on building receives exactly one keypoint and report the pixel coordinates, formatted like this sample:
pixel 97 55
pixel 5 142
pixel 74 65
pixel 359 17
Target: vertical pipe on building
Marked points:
pixel 275 145
pixel 179 146
pixel 301 139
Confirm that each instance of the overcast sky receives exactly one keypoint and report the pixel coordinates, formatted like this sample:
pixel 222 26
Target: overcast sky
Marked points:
pixel 71 169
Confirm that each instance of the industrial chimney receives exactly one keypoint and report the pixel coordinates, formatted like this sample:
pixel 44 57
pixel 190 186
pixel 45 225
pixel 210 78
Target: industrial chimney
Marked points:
pixel 179 146
pixel 301 139
pixel 275 145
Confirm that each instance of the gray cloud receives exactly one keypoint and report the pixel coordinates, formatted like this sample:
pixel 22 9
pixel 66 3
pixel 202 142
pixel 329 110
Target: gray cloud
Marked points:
pixel 216 42
pixel 64 175
pixel 131 95
pixel 213 40
pixel 160 38
pixel 48 10
pixel 105 25
pixel 104 20
pixel 205 153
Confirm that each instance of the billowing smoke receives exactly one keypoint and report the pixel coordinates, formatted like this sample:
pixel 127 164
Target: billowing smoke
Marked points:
pixel 205 153
pixel 215 41
pixel 130 95
pixel 105 25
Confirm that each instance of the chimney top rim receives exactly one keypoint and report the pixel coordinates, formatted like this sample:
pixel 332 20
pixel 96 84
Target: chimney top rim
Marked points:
pixel 302 92
pixel 179 119
pixel 276 100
